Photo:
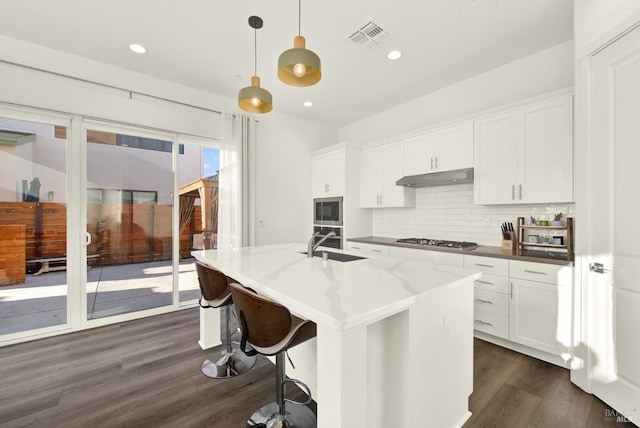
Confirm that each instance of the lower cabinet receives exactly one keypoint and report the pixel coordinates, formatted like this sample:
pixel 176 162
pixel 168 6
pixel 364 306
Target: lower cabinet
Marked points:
pixel 540 314
pixel 525 303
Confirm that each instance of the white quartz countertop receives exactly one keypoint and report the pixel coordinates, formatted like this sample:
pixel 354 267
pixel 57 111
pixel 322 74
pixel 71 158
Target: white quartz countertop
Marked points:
pixel 339 295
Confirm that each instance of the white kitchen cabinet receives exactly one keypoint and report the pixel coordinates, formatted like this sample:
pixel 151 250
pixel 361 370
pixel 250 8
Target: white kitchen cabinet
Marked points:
pixel 525 155
pixel 433 257
pixel 441 150
pixel 491 301
pixel 381 167
pixel 368 250
pixel 540 314
pixel 328 174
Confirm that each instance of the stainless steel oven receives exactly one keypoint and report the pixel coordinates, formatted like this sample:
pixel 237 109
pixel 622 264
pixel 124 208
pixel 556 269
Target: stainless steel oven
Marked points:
pixel 327 211
pixel 332 242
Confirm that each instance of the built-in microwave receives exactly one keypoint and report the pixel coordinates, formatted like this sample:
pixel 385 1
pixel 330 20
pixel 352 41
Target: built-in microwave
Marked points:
pixel 327 211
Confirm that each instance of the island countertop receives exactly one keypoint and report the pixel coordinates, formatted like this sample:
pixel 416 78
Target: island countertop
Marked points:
pixel 371 314
pixel 340 295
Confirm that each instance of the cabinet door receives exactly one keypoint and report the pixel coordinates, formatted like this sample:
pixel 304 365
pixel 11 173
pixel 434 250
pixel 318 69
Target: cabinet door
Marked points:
pixel 455 148
pixel 328 174
pixel 392 171
pixel 371 178
pixel 420 154
pixel 545 158
pixel 540 315
pixel 495 163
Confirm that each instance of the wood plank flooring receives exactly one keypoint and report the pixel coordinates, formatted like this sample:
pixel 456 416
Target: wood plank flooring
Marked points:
pixel 146 373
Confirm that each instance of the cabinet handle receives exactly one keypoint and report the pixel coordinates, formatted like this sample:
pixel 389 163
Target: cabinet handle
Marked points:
pixel 355 248
pixel 483 323
pixel 381 199
pixel 511 291
pixel 436 162
pixel 535 271
pixel 484 301
pixel 513 192
pixel 432 163
pixel 479 281
pixel 483 265
pixel 520 191
pixel 376 251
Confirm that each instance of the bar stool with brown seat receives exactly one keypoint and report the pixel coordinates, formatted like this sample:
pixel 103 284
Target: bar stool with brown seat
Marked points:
pixel 270 329
pixel 215 291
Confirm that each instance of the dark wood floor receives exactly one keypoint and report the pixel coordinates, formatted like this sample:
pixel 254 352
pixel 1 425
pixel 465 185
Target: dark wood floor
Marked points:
pixel 146 373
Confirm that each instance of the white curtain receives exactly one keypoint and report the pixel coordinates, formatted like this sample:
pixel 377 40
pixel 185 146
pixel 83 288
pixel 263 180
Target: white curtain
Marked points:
pixel 232 226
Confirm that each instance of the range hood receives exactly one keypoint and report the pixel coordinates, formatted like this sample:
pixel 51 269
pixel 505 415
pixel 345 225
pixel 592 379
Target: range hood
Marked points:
pixel 457 176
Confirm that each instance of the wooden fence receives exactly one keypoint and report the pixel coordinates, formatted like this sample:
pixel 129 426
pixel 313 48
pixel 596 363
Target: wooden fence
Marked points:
pixel 121 233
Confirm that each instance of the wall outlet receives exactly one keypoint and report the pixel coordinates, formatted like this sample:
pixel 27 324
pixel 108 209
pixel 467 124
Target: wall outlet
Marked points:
pixel 487 220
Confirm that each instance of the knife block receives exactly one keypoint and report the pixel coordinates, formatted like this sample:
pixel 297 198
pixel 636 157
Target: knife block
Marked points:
pixel 510 245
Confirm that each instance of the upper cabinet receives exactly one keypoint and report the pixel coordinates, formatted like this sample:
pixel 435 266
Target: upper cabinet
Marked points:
pixel 442 150
pixel 525 155
pixel 381 167
pixel 328 173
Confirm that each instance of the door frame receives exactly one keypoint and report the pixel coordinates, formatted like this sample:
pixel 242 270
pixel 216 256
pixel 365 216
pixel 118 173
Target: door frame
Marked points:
pixel 583 361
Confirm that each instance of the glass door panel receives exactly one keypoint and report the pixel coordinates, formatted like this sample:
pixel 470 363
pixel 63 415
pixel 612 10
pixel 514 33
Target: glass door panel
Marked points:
pixel 33 226
pixel 129 218
pixel 198 190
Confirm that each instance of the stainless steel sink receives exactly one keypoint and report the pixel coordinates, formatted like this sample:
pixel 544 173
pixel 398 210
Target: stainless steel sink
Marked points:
pixel 339 257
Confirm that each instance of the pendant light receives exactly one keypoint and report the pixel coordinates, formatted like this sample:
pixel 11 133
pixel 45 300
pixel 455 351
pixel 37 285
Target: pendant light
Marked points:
pixel 254 99
pixel 299 66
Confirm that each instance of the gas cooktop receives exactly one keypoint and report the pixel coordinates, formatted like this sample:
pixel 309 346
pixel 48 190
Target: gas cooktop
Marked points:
pixel 437 242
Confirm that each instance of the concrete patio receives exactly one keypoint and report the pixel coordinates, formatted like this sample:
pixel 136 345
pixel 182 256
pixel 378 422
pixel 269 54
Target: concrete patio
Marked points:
pixel 41 301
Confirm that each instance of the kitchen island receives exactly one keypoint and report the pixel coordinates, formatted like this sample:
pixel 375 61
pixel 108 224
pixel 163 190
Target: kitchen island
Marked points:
pixel 394 343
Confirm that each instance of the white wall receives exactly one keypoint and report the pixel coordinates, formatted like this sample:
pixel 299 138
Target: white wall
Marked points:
pixel 594 18
pixel 281 162
pixel 542 72
pixel 282 180
pixel 448 212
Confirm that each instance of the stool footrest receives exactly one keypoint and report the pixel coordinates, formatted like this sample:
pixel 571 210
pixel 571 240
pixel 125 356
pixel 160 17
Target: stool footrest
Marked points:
pixel 306 390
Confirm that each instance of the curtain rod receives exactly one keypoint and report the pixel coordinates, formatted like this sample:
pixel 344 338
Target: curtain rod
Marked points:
pixel 104 85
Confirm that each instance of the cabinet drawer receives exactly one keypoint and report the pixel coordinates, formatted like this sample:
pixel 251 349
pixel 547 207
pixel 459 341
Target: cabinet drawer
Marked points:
pixel 435 257
pixel 495 283
pixel 541 272
pixel 494 324
pixel 368 249
pixel 487 264
pixel 488 301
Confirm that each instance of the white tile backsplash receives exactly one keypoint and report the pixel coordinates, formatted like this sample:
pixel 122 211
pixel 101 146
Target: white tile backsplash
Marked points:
pixel 448 212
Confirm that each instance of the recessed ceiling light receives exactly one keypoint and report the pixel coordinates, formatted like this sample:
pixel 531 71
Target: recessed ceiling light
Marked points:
pixel 308 104
pixel 393 55
pixel 139 49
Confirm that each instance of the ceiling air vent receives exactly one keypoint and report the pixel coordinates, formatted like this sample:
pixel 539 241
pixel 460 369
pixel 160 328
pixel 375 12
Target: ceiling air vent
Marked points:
pixel 369 35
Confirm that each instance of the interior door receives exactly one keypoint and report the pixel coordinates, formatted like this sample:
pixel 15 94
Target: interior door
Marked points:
pixel 614 289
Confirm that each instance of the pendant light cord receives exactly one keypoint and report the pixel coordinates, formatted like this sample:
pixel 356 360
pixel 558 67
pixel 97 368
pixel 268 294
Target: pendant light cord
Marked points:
pixel 255 51
pixel 299 16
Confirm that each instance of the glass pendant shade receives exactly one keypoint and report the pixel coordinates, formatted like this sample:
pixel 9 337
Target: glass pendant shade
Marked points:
pixel 299 66
pixel 254 99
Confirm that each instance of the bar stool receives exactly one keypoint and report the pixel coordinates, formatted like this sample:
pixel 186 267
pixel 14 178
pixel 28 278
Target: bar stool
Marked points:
pixel 270 329
pixel 215 291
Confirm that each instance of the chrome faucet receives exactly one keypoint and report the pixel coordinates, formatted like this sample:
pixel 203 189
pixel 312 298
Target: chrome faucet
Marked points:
pixel 311 247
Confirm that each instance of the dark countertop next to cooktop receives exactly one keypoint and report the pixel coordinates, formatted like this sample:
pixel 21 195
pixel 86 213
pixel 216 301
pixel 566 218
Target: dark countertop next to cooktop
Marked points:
pixel 480 250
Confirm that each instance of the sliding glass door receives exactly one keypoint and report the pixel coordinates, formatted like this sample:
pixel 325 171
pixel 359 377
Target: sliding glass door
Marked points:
pixel 33 226
pixel 129 221
pixel 98 221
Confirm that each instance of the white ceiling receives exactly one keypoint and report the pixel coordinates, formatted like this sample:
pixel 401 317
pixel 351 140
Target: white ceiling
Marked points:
pixel 206 43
